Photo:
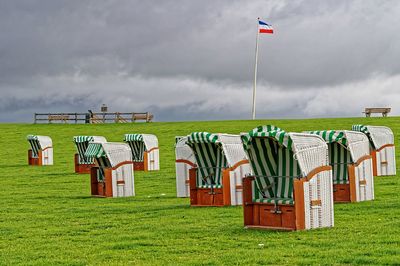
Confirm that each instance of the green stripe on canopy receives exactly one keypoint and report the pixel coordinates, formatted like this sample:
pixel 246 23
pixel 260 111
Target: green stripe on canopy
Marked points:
pixel 361 128
pixel 32 137
pixel 202 137
pixel 80 139
pixel 210 158
pixel 133 137
pixel 331 136
pixel 267 131
pixel 95 150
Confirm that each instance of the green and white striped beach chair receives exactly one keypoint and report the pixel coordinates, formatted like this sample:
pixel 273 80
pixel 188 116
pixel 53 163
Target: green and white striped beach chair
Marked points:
pixel 82 163
pixel 41 152
pixel 184 160
pixel 114 176
pixel 145 151
pixel 291 185
pixel 221 163
pixel 350 158
pixel 382 148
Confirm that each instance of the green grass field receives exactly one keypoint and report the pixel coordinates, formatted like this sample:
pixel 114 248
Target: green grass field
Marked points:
pixel 48 217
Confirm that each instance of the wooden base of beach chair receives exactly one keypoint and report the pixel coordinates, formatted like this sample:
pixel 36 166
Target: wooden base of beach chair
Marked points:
pixel 267 215
pixel 142 166
pixel 341 193
pixel 82 168
pixel 101 189
pixel 270 216
pixel 34 161
pixel 207 196
pixel 138 166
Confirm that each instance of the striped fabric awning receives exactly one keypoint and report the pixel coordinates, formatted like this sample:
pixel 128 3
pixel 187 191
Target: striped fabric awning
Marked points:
pixel 133 137
pixel 272 159
pixel 331 136
pixel 210 158
pixel 80 139
pixel 95 150
pixel 202 137
pixel 267 131
pixel 137 145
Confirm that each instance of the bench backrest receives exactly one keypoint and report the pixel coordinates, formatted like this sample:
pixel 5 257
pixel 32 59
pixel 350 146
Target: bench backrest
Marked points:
pixel 377 110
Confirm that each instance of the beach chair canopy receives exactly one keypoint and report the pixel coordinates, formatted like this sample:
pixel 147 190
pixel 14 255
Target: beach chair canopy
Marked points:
pixel 39 143
pixel 139 143
pixel 377 135
pixel 213 153
pixel 277 157
pixel 182 150
pixel 108 154
pixel 82 142
pixel 345 147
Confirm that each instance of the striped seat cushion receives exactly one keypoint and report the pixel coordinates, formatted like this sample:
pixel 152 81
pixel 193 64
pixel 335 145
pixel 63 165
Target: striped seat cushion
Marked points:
pixel 289 201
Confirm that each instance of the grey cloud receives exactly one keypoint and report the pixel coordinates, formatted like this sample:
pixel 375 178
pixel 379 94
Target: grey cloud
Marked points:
pixel 165 56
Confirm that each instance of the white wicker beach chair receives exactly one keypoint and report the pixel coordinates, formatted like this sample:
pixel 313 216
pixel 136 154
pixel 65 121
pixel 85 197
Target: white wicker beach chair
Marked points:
pixel 41 152
pixel 221 163
pixel 145 151
pixel 82 163
pixel 114 175
pixel 352 164
pixel 382 148
pixel 291 188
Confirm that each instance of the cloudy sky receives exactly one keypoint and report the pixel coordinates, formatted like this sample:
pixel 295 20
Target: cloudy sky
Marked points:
pixel 194 60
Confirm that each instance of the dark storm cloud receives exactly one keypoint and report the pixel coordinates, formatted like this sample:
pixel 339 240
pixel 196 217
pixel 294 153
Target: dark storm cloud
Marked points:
pixel 197 56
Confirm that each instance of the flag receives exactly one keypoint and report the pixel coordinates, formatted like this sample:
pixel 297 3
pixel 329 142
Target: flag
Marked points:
pixel 264 27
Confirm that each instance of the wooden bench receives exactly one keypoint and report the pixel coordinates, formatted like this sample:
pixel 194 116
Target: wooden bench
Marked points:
pixel 143 116
pixel 384 111
pixel 62 118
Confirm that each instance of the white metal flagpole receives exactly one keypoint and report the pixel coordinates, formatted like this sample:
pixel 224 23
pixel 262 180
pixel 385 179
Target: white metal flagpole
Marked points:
pixel 255 73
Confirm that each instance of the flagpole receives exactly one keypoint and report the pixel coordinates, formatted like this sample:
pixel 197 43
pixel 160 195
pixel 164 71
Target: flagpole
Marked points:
pixel 255 73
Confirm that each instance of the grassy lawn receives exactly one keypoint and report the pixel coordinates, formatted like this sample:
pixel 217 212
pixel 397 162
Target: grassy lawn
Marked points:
pixel 48 217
